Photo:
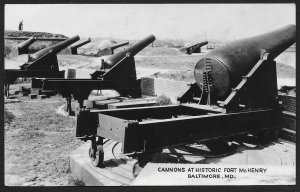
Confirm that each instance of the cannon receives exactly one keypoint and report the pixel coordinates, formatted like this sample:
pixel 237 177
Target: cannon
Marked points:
pixel 75 47
pixel 234 96
pixel 40 64
pixel 110 49
pixel 117 72
pixel 196 48
pixel 22 48
pixel 45 57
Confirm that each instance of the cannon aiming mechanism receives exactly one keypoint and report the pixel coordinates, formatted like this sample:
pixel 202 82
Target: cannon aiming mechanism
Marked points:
pixel 235 94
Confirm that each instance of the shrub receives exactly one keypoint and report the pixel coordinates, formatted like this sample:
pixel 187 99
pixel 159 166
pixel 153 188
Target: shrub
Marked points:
pixel 163 100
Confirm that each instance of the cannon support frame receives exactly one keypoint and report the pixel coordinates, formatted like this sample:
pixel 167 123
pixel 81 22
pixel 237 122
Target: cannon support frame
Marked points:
pixel 168 129
pixel 144 131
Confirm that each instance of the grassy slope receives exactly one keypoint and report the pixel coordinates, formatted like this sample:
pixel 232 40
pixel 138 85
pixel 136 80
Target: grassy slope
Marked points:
pixel 11 33
pixel 38 143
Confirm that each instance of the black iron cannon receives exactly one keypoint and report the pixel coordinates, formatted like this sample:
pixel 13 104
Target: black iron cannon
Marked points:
pixel 22 48
pixel 40 64
pixel 75 47
pixel 47 58
pixel 117 72
pixel 230 62
pixel 196 48
pixel 109 50
pixel 235 95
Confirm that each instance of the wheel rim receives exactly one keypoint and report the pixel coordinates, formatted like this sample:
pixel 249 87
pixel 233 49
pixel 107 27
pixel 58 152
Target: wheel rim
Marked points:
pixel 136 169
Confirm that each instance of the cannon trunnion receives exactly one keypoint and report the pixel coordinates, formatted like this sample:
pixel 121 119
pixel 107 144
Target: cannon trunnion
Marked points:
pixel 211 112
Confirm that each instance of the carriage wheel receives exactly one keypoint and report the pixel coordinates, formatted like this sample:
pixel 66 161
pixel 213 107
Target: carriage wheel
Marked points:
pixel 142 160
pixel 217 146
pixel 263 136
pixel 96 152
pixel 136 169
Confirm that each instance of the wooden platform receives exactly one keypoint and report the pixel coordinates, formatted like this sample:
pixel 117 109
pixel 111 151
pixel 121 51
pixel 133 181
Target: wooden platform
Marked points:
pixel 118 168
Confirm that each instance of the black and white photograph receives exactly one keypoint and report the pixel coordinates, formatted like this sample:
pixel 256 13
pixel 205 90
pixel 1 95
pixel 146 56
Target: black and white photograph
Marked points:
pixel 150 94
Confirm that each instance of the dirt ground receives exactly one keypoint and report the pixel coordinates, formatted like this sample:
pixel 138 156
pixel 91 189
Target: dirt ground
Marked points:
pixel 38 142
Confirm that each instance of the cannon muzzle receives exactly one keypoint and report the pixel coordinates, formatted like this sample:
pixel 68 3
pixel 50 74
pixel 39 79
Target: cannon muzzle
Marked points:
pixel 132 51
pixel 81 44
pixel 54 48
pixel 27 43
pixel 223 67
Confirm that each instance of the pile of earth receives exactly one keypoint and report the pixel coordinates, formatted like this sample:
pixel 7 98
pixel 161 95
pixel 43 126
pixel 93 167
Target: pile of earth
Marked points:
pixel 93 47
pixel 149 51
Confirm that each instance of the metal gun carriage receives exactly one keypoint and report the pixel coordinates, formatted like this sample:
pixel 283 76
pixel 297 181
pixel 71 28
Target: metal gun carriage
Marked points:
pixel 235 94
pixel 41 64
pixel 117 72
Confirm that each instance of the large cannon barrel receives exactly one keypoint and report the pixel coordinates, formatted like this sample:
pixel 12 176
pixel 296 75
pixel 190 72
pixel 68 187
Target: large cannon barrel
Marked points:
pixel 27 43
pixel 81 44
pixel 228 63
pixel 132 50
pixel 54 48
pixel 117 45
pixel 202 43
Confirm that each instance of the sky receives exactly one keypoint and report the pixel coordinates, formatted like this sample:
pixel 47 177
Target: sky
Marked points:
pixel 165 21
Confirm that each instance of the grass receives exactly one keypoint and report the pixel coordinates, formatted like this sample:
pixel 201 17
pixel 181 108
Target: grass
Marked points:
pixel 8 116
pixel 38 142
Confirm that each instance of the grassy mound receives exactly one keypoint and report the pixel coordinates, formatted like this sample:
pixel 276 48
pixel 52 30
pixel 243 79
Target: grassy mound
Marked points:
pixel 11 33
